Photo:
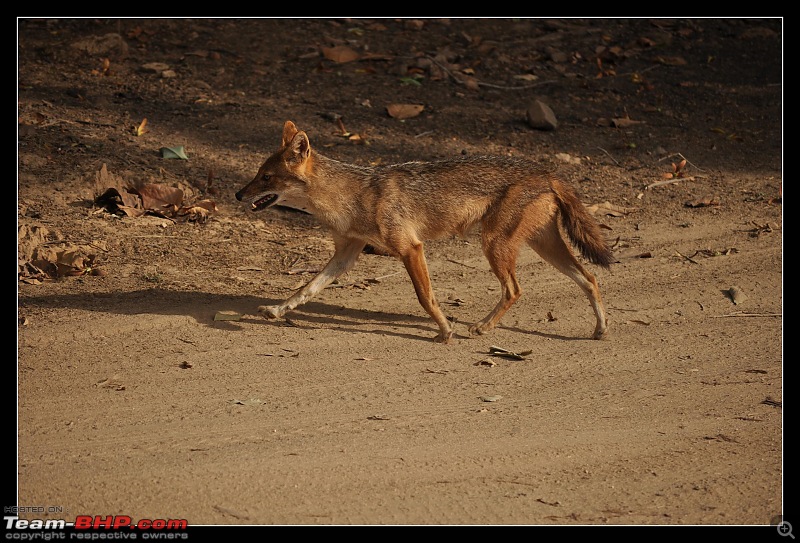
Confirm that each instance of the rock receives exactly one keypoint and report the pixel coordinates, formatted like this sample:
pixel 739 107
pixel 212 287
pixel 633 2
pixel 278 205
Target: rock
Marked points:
pixel 155 67
pixel 541 117
pixel 556 55
pixel 569 159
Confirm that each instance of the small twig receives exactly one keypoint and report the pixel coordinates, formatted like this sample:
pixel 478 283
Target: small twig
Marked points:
pixel 482 84
pixel 742 314
pixel 522 87
pixel 669 182
pixel 609 156
pixel 463 264
pixel 424 133
pixel 683 157
pixel 385 276
pixel 622 309
pixel 625 74
pixel 687 258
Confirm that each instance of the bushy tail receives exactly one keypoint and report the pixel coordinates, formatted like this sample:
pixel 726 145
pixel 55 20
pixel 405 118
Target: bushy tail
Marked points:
pixel 581 227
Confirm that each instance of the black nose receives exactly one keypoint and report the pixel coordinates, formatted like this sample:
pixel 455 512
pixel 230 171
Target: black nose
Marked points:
pixel 239 196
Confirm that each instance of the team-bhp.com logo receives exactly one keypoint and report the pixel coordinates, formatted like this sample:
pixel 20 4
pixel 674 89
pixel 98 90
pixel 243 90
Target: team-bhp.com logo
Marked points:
pixel 87 526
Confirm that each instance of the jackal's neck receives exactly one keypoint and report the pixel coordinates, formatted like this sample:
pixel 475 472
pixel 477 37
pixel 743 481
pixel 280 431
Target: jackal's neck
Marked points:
pixel 325 168
pixel 333 190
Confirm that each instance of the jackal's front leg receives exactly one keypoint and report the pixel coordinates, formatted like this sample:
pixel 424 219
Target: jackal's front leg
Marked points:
pixel 417 267
pixel 347 252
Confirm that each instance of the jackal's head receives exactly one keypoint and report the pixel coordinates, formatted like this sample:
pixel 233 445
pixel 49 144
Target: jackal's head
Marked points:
pixel 282 178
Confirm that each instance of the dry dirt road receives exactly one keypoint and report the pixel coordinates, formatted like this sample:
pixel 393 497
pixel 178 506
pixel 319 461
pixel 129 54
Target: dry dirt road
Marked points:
pixel 132 400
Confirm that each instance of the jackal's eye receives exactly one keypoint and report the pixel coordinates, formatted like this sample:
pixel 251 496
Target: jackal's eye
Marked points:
pixel 265 177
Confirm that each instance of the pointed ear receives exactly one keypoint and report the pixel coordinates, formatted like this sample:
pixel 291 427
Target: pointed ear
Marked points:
pixel 289 130
pixel 300 147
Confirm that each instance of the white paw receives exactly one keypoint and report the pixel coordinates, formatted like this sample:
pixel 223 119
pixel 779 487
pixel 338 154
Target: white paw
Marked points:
pixel 270 311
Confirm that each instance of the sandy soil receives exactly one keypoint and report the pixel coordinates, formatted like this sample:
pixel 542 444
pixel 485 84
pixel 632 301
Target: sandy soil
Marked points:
pixel 133 400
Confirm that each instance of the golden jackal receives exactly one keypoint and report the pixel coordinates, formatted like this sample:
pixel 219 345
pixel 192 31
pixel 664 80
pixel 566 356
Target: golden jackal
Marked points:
pixel 398 207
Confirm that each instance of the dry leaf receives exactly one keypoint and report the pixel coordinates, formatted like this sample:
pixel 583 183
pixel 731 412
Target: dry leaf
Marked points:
pixel 671 61
pixel 624 122
pixel 404 111
pixel 198 211
pixel 505 353
pixel 607 208
pixel 704 202
pixel 340 54
pixel 158 195
pixel 141 129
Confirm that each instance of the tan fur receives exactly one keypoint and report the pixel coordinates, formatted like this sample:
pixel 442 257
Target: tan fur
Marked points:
pixel 398 207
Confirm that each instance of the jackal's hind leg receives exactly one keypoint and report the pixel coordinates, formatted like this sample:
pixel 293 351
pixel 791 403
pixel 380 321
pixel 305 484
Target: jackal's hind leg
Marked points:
pixel 502 257
pixel 553 249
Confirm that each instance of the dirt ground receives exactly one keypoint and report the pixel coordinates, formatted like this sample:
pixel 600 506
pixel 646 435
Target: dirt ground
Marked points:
pixel 133 400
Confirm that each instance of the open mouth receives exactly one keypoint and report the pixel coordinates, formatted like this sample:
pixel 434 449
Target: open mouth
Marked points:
pixel 263 202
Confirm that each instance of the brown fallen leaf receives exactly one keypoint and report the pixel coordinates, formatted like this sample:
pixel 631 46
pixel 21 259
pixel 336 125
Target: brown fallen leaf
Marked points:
pixel 704 202
pixel 624 122
pixel 505 353
pixel 130 211
pixel 156 196
pixel 340 54
pixel 404 111
pixel 199 211
pixel 607 208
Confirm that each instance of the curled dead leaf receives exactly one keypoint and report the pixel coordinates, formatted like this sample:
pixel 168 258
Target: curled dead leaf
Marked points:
pixel 607 208
pixel 404 111
pixel 141 129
